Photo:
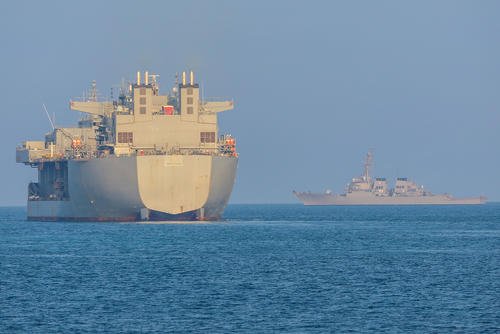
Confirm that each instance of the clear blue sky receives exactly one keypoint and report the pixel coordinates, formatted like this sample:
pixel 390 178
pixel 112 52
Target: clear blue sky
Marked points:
pixel 316 83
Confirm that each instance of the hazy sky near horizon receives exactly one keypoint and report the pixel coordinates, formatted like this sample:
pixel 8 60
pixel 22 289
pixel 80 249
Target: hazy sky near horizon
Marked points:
pixel 316 84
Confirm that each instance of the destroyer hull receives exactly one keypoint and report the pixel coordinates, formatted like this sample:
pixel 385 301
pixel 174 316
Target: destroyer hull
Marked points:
pixel 132 188
pixel 330 199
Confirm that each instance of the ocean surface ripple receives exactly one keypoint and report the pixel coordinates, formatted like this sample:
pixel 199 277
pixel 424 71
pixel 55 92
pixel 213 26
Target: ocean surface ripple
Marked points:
pixel 265 268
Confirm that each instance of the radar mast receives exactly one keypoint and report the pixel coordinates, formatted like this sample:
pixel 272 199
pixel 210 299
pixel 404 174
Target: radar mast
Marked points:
pixel 368 164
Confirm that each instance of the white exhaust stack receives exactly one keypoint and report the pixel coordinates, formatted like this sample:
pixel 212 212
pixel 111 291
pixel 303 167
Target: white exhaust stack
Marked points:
pixel 138 78
pixel 191 78
pixel 183 78
pixel 146 78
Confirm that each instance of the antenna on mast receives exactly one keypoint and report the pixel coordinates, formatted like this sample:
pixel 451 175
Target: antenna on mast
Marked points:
pixel 368 164
pixel 154 83
pixel 48 116
pixel 93 92
pixel 176 85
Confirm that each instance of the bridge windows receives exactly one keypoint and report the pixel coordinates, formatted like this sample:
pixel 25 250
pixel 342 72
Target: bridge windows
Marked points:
pixel 125 137
pixel 207 137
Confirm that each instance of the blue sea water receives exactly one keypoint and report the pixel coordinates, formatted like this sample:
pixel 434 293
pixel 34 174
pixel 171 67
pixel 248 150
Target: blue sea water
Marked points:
pixel 265 268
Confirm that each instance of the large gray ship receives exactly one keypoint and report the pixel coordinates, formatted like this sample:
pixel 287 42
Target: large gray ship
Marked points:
pixel 364 190
pixel 142 156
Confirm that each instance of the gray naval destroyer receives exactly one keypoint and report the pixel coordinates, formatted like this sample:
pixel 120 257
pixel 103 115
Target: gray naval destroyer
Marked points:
pixel 143 156
pixel 364 190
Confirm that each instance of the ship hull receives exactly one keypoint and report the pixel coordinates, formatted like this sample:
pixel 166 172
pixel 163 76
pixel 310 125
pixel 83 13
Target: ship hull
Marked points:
pixel 308 198
pixel 132 188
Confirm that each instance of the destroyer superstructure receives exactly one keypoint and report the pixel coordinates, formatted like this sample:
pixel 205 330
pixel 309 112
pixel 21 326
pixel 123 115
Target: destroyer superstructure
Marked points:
pixel 365 190
pixel 143 156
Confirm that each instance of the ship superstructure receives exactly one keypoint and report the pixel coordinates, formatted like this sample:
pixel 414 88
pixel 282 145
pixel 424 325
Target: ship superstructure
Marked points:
pixel 143 156
pixel 365 190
